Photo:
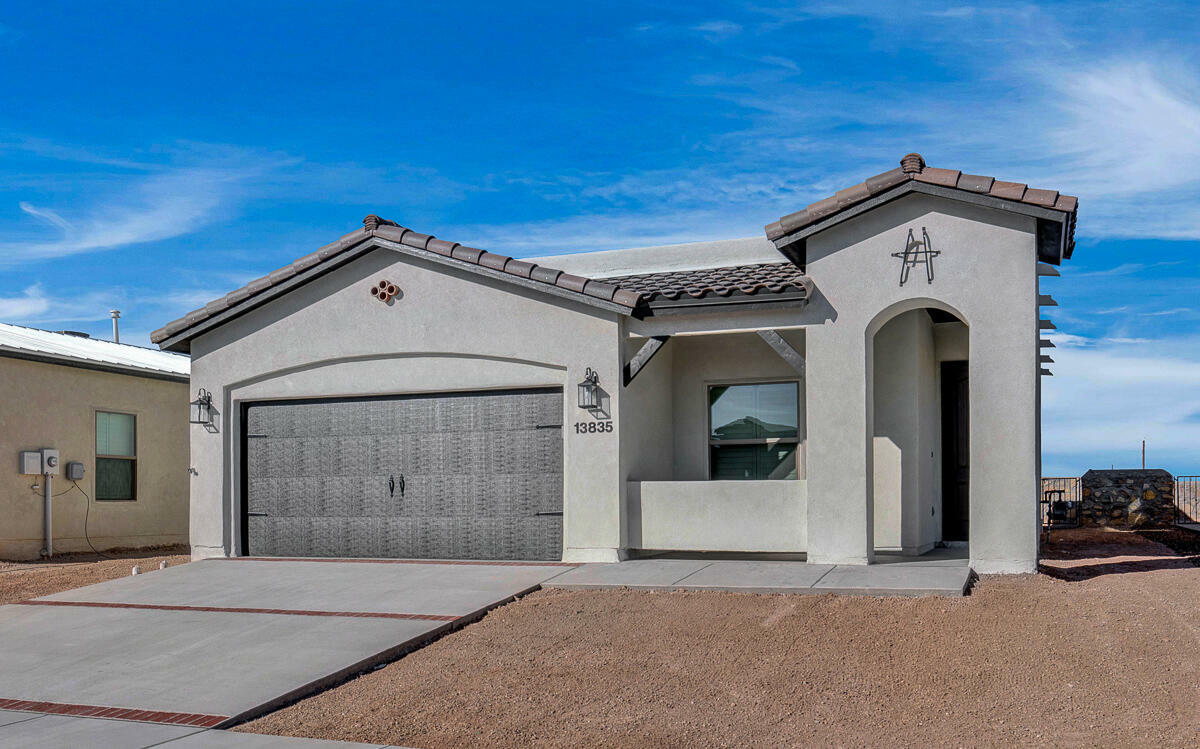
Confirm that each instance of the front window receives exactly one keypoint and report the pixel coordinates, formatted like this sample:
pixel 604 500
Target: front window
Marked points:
pixel 116 456
pixel 753 431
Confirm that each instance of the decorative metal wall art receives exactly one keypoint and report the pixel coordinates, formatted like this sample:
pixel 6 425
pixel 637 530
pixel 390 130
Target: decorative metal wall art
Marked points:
pixel 916 252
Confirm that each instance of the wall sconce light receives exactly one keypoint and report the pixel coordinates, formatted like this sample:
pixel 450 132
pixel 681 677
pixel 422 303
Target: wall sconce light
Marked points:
pixel 201 409
pixel 589 391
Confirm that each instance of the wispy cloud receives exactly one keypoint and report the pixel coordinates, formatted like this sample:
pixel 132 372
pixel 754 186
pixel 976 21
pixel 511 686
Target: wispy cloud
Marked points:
pixel 194 185
pixel 30 303
pixel 718 30
pixel 1109 394
pixel 159 207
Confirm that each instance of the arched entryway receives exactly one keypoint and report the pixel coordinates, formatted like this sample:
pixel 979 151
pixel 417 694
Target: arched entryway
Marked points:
pixel 919 417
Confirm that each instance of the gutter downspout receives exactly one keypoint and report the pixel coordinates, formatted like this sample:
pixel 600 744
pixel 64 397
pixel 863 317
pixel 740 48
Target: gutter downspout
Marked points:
pixel 47 529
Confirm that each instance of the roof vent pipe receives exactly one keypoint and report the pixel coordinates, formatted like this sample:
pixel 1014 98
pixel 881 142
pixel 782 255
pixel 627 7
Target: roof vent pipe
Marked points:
pixel 115 313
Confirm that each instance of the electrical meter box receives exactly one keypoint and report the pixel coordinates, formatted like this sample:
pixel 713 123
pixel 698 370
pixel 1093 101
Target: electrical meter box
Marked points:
pixel 31 462
pixel 75 471
pixel 50 465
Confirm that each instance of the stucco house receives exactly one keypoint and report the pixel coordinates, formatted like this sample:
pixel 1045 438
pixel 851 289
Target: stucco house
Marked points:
pixel 117 411
pixel 864 377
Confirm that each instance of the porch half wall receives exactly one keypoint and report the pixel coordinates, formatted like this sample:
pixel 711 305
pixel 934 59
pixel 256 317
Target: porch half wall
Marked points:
pixel 747 516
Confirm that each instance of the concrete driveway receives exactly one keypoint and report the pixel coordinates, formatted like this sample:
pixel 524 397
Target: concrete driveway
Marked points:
pixel 213 642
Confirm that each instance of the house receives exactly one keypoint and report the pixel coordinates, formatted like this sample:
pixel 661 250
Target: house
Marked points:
pixel 120 413
pixel 864 377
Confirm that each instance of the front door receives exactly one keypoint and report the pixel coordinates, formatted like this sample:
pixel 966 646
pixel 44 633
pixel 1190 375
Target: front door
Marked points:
pixel 956 451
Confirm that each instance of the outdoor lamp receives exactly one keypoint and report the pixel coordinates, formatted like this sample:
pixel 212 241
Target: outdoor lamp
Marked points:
pixel 589 391
pixel 201 408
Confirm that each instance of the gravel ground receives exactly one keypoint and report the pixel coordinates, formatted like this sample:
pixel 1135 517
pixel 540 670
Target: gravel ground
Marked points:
pixel 1103 650
pixel 20 581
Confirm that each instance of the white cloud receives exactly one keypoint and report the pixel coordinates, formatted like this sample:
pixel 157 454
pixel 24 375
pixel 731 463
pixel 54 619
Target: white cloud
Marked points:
pixel 1110 394
pixel 607 231
pixel 717 30
pixel 31 303
pixel 46 215
pixel 200 184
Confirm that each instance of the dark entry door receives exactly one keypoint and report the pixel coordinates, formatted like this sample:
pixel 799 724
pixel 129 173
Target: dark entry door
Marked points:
pixel 446 476
pixel 956 451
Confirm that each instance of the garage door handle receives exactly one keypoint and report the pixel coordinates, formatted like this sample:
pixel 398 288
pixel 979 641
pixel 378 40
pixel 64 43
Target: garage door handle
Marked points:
pixel 539 514
pixel 256 514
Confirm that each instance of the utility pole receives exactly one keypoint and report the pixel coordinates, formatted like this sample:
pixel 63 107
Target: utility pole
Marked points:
pixel 1143 455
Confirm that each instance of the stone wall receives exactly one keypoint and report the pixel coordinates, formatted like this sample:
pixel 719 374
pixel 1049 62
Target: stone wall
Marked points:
pixel 1127 498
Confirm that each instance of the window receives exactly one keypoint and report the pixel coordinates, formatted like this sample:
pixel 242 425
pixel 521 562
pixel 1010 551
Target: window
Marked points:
pixel 753 431
pixel 116 456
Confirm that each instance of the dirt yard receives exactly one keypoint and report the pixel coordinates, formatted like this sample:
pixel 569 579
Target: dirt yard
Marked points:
pixel 1102 650
pixel 20 581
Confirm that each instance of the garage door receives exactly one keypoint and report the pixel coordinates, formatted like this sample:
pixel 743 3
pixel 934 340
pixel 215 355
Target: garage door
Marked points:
pixel 446 476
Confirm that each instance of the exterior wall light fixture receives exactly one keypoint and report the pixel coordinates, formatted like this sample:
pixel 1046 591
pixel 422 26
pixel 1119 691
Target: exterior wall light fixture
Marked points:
pixel 201 409
pixel 589 391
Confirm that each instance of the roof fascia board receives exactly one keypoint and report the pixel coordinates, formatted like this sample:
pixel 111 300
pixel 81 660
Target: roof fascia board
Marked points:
pixel 702 306
pixel 911 186
pixel 178 341
pixel 45 358
pixel 499 275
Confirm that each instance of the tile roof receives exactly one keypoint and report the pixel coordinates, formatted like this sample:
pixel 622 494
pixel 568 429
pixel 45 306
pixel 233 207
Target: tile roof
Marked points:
pixel 912 168
pixel 550 276
pixel 627 295
pixel 66 348
pixel 707 283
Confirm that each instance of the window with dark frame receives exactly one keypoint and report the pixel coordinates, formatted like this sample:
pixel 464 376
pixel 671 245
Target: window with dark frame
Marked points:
pixel 116 456
pixel 754 431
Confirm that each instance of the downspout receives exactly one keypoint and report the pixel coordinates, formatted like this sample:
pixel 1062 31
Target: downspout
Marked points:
pixel 47 530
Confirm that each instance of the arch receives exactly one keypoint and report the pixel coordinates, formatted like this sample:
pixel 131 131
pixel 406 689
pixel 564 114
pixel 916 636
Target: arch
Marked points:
pixel 909 500
pixel 895 309
pixel 385 356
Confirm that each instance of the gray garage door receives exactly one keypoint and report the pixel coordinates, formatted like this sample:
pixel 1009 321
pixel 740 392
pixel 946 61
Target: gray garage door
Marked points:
pixel 447 476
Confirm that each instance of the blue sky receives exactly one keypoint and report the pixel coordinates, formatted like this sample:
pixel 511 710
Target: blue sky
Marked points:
pixel 155 155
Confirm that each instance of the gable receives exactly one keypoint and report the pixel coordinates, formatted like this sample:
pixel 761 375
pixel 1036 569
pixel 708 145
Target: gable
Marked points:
pixel 1055 213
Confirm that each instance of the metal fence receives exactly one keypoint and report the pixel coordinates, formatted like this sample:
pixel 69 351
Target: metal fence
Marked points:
pixel 1187 499
pixel 1066 513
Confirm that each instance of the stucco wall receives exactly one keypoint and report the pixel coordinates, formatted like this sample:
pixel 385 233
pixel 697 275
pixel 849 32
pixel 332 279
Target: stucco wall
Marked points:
pixel 749 516
pixel 448 330
pixel 725 359
pixel 51 405
pixel 906 407
pixel 986 275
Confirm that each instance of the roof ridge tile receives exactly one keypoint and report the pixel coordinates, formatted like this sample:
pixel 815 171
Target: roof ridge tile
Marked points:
pixel 913 167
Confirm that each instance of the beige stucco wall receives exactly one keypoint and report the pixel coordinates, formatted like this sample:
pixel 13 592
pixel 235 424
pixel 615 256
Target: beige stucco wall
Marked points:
pixel 748 516
pixel 448 330
pixel 986 275
pixel 52 405
pixel 725 359
pixel 907 484
pixel 670 502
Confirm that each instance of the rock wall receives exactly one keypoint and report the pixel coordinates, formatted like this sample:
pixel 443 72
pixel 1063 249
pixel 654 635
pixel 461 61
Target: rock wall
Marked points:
pixel 1127 498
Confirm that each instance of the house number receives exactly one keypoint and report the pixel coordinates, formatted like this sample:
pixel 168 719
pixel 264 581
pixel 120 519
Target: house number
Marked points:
pixel 593 427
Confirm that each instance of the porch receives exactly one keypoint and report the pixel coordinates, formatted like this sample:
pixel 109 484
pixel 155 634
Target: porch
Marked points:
pixel 721 445
pixel 941 572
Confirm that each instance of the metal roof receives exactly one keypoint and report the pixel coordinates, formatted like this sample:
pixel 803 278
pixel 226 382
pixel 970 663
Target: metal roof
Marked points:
pixel 91 353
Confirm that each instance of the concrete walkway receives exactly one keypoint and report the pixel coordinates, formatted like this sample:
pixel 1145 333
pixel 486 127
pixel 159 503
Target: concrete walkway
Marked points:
pixel 210 643
pixel 944 572
pixel 20 730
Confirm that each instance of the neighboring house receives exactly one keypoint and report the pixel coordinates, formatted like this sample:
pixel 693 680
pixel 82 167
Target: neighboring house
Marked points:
pixel 865 377
pixel 119 410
